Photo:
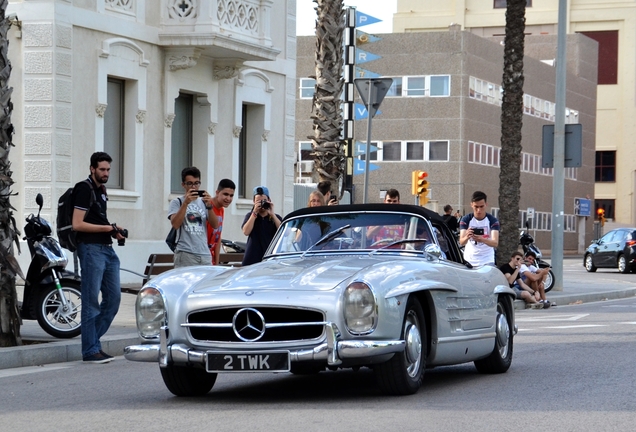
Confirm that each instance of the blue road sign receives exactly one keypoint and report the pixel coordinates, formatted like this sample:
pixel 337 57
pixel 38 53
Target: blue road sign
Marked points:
pixel 361 148
pixel 362 112
pixel 582 207
pixel 363 19
pixel 359 167
pixel 364 57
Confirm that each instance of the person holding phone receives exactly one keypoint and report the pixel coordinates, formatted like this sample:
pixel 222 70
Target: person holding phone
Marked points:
pixel 189 214
pixel 259 226
pixel 479 233
pixel 325 189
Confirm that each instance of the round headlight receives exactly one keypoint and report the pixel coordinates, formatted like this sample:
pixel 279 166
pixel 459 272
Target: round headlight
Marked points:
pixel 359 308
pixel 150 312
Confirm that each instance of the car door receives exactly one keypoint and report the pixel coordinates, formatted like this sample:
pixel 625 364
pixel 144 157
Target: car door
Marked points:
pixel 604 253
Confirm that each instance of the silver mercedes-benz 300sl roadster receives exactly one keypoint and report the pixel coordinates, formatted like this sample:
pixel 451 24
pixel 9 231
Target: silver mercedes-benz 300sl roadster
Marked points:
pixel 370 285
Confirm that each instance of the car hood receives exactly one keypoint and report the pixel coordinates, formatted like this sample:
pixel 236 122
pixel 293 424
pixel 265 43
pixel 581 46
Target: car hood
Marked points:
pixel 300 274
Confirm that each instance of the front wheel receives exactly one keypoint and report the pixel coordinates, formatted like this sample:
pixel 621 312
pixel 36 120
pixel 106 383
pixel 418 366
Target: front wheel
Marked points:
pixel 500 359
pixel 53 316
pixel 589 264
pixel 187 381
pixel 404 372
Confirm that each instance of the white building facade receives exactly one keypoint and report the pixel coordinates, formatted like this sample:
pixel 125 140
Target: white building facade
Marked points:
pixel 159 85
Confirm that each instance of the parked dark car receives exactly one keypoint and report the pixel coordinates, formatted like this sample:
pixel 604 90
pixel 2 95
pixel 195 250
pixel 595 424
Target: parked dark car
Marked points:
pixel 616 249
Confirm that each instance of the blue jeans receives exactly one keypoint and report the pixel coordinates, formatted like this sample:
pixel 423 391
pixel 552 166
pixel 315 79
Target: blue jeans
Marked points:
pixel 100 272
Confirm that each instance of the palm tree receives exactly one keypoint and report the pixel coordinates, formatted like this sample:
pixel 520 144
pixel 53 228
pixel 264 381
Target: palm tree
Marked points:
pixel 9 316
pixel 327 144
pixel 511 123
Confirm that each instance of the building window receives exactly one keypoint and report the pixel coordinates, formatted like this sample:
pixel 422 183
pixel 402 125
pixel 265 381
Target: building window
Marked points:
pixel 181 156
pixel 439 85
pixel 307 88
pixel 114 130
pixel 392 151
pixel 605 204
pixel 438 151
pixel 502 4
pixel 607 55
pixel 396 87
pixel 605 166
pixel 415 86
pixel 415 151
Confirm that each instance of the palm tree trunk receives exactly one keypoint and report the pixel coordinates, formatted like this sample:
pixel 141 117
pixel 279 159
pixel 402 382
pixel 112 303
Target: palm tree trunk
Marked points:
pixel 327 142
pixel 9 316
pixel 511 123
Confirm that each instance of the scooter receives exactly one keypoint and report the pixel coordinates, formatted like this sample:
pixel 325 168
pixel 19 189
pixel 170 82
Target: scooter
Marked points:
pixel 527 243
pixel 52 294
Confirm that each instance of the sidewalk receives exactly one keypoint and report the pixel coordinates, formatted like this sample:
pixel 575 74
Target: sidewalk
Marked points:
pixel 578 288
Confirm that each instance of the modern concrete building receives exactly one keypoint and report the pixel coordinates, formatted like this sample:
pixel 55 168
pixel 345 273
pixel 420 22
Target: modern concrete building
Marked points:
pixel 159 85
pixel 442 115
pixel 612 23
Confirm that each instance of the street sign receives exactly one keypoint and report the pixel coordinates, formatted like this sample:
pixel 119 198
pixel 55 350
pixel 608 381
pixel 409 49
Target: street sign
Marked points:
pixel 530 213
pixel 362 113
pixel 372 92
pixel 582 207
pixel 359 167
pixel 364 19
pixel 573 146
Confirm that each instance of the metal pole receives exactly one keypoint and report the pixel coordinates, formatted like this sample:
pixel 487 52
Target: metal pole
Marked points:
pixel 558 194
pixel 367 152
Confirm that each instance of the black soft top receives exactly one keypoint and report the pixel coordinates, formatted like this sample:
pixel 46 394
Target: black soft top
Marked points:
pixel 376 207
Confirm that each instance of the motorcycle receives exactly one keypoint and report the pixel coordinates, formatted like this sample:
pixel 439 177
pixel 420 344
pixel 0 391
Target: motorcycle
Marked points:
pixel 52 294
pixel 527 243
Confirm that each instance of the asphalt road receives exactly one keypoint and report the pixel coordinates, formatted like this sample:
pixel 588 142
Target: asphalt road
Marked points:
pixel 571 372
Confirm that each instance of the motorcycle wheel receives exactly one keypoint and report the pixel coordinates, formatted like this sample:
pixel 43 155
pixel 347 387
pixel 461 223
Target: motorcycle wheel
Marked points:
pixel 549 281
pixel 56 320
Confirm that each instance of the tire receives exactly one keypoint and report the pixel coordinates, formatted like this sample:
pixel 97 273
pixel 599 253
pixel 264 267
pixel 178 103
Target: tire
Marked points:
pixel 187 381
pixel 622 264
pixel 404 372
pixel 549 281
pixel 500 359
pixel 52 316
pixel 589 265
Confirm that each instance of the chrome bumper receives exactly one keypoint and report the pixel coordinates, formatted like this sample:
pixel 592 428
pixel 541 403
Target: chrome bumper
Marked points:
pixel 333 351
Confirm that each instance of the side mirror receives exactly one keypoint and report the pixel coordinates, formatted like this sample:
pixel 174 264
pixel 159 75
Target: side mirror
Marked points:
pixel 527 224
pixel 39 200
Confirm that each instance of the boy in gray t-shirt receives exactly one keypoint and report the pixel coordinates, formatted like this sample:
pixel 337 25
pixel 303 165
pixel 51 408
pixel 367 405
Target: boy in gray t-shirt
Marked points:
pixel 188 214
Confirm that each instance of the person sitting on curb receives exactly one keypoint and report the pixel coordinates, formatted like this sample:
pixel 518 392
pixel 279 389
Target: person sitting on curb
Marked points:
pixel 512 272
pixel 535 277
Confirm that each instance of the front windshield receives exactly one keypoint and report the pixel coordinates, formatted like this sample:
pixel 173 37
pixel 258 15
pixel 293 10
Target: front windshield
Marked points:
pixel 365 231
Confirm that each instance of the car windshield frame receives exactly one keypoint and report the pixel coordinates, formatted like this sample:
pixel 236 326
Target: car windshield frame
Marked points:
pixel 369 231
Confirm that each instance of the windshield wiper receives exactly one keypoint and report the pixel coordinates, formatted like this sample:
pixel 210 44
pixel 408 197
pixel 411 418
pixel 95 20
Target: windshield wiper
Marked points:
pixel 324 239
pixel 396 242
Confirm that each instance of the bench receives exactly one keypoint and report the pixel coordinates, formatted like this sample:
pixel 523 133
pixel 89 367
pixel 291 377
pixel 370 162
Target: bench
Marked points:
pixel 159 263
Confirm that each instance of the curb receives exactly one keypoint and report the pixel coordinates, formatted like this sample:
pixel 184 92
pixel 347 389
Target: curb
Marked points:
pixel 566 299
pixel 59 351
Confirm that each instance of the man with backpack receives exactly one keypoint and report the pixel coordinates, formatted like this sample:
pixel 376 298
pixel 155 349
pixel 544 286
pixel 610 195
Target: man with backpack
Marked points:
pixel 479 232
pixel 98 261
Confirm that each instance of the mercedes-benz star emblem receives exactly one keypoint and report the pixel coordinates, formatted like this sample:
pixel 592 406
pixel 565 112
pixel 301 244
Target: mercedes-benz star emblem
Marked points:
pixel 248 324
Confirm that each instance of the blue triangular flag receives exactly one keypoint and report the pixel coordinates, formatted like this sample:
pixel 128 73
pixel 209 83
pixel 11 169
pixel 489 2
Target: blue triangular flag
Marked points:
pixel 361 112
pixel 364 38
pixel 360 165
pixel 363 73
pixel 364 19
pixel 363 56
pixel 361 148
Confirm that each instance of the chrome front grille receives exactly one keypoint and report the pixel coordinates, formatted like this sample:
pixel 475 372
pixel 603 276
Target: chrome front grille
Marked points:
pixel 267 324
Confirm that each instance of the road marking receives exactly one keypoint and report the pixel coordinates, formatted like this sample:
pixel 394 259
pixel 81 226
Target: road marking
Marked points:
pixel 632 322
pixel 576 326
pixel 555 317
pixel 31 370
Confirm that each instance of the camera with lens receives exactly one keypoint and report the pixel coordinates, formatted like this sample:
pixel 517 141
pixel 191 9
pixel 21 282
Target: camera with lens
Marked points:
pixel 124 234
pixel 265 204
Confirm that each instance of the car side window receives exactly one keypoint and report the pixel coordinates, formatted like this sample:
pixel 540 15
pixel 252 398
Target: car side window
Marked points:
pixel 607 238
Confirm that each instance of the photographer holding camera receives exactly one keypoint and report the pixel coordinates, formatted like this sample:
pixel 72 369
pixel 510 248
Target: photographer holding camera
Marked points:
pixel 259 226
pixel 479 231
pixel 189 215
pixel 99 262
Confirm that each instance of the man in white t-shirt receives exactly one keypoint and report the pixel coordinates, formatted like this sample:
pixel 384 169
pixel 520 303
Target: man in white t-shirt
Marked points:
pixel 535 277
pixel 479 233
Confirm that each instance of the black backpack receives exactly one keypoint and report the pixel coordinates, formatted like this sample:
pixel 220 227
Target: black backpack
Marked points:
pixel 64 221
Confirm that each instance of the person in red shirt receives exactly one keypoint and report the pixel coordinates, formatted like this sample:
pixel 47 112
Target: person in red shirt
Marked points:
pixel 221 200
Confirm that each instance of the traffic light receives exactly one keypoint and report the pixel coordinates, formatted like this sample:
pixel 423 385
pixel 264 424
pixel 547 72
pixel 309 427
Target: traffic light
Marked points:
pixel 601 216
pixel 420 186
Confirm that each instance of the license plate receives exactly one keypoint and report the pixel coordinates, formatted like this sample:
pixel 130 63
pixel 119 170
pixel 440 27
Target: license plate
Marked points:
pixel 276 361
